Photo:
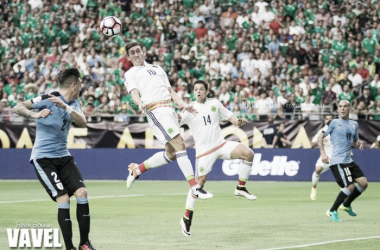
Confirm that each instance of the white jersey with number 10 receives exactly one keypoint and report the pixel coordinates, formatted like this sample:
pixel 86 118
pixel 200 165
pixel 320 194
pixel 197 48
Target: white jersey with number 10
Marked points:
pixel 205 124
pixel 150 80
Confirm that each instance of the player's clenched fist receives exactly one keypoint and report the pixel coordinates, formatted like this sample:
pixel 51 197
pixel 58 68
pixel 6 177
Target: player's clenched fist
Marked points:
pixel 241 122
pixel 57 101
pixel 43 113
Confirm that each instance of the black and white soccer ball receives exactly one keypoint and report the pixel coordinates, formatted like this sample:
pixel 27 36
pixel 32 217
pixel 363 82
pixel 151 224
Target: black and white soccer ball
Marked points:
pixel 110 26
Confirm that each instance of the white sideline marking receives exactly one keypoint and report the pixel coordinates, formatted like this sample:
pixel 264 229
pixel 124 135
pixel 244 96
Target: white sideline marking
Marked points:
pixel 322 243
pixel 94 197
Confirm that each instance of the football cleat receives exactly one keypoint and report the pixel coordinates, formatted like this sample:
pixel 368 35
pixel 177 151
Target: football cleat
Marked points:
pixel 132 175
pixel 201 194
pixel 185 225
pixel 333 215
pixel 313 194
pixel 242 191
pixel 348 210
pixel 86 246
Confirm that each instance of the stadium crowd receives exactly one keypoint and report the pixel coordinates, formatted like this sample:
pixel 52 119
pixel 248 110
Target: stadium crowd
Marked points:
pixel 291 59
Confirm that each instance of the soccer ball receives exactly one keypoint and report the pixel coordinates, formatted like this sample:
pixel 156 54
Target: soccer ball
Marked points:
pixel 110 26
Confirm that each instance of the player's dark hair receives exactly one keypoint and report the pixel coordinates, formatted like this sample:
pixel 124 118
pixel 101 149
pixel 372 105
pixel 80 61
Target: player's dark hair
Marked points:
pixel 130 45
pixel 201 82
pixel 68 76
pixel 328 114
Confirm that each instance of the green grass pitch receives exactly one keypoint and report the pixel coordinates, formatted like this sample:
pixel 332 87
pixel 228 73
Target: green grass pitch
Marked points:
pixel 147 216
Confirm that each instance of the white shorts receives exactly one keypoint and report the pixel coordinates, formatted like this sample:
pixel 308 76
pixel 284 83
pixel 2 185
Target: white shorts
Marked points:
pixel 323 165
pixel 205 161
pixel 164 123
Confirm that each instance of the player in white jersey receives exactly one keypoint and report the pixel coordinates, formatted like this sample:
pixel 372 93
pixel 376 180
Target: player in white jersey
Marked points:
pixel 210 145
pixel 150 89
pixel 321 167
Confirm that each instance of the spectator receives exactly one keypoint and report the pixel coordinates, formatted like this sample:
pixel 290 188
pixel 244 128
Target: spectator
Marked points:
pixel 263 107
pixel 324 17
pixel 355 78
pixel 336 88
pixel 200 31
pixel 367 98
pixel 281 100
pixel 6 110
pixel 373 67
pixel 374 85
pixel 282 141
pixel 329 96
pixel 270 134
pixel 347 95
pixel 363 72
pixel 292 107
pixel 277 34
pixel 360 111
pixel 375 111
pixel 376 144
pixel 309 109
pixel 369 44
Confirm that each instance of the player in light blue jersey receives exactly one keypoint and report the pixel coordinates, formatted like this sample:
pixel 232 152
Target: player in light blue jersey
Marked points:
pixel 344 135
pixel 54 165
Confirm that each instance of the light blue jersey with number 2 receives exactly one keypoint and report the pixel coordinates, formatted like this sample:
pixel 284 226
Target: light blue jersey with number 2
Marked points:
pixel 52 131
pixel 342 133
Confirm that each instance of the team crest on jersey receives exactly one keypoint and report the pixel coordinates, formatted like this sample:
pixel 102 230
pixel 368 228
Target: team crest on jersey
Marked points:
pixel 170 130
pixel 213 109
pixel 36 99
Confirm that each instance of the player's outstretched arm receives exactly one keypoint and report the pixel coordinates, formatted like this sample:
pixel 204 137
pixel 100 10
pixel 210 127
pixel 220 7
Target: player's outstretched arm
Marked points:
pixel 237 121
pixel 324 157
pixel 137 100
pixel 77 117
pixel 24 109
pixel 180 103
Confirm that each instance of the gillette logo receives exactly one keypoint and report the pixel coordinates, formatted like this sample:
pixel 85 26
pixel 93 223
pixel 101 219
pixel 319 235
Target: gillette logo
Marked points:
pixel 279 166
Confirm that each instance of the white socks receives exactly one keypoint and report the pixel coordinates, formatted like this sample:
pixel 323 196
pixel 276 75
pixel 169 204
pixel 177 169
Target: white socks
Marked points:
pixel 315 179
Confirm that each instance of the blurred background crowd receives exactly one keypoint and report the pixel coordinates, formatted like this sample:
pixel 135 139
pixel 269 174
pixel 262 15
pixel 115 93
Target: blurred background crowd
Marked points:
pixel 289 59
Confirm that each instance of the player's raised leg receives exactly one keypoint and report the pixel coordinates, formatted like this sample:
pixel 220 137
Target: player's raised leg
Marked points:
pixel 246 155
pixel 175 149
pixel 184 164
pixel 157 160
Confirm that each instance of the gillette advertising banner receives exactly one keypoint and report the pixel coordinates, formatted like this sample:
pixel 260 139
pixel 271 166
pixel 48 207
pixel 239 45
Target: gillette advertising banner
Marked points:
pixel 111 164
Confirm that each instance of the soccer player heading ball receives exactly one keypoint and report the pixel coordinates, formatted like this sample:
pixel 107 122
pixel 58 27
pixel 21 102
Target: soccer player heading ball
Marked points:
pixel 150 89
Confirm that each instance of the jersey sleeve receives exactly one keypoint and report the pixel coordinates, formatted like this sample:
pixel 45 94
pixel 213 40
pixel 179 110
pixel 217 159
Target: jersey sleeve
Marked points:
pixel 165 77
pixel 184 117
pixel 223 112
pixel 315 138
pixel 77 108
pixel 356 136
pixel 40 102
pixel 331 128
pixel 129 81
